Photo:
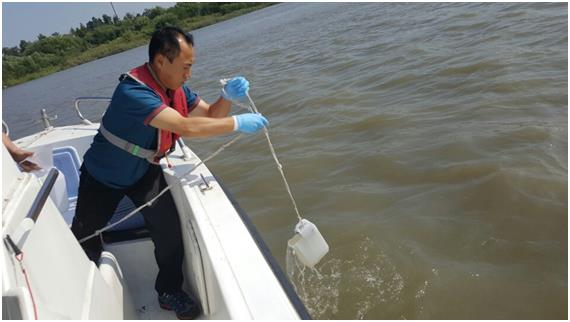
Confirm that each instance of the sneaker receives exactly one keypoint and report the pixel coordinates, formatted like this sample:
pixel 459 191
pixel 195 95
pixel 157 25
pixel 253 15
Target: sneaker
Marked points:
pixel 179 302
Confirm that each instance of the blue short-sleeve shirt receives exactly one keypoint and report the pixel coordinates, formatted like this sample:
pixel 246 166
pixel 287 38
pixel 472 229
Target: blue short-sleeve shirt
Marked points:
pixel 132 107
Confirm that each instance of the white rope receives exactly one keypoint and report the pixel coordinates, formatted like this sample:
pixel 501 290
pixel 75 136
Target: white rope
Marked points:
pixel 279 166
pixel 254 109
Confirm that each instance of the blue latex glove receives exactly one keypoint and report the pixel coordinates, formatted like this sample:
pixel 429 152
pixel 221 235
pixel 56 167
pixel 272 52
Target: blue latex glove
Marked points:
pixel 235 88
pixel 249 122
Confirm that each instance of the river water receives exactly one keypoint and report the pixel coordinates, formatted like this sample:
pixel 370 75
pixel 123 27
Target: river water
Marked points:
pixel 428 142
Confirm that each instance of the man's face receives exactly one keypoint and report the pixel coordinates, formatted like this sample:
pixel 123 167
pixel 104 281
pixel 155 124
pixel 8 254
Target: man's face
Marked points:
pixel 173 75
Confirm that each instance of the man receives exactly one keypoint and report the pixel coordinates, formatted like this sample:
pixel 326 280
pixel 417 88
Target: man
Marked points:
pixel 149 109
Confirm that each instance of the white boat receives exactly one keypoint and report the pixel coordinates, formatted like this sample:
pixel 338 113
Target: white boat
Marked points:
pixel 227 265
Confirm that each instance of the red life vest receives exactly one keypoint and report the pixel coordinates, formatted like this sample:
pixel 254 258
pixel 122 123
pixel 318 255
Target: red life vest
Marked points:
pixel 176 100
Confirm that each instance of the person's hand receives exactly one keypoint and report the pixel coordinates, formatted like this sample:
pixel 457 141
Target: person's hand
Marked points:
pixel 235 88
pixel 20 156
pixel 28 166
pixel 249 122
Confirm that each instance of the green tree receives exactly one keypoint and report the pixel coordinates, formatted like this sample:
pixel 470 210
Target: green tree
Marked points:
pixel 11 51
pixel 154 12
pixel 59 45
pixel 23 45
pixel 94 23
pixel 167 19
pixel 104 34
pixel 186 9
pixel 101 37
pixel 107 19
pixel 234 6
pixel 141 22
pixel 209 8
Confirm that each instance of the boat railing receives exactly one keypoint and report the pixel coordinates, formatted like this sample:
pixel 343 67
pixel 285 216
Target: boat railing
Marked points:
pixel 43 195
pixel 5 128
pixel 88 98
pixel 46 119
pixel 16 243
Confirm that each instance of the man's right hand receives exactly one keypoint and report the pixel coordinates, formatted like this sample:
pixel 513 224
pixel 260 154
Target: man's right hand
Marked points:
pixel 249 122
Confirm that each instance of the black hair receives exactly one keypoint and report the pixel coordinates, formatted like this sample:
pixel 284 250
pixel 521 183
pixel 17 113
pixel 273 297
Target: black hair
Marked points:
pixel 165 41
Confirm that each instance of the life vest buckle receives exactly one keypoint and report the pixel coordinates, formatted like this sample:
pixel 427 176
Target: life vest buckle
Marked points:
pixel 135 150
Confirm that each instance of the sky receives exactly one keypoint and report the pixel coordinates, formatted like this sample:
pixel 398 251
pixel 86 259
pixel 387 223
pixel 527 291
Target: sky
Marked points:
pixel 26 20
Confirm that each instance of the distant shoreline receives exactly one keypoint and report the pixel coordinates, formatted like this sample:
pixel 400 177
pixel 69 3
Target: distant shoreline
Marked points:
pixel 120 44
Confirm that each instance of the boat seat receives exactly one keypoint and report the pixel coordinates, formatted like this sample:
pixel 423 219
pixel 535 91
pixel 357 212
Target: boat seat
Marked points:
pixel 112 274
pixel 66 160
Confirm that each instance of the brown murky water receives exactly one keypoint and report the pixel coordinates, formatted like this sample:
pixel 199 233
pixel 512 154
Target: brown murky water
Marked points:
pixel 428 142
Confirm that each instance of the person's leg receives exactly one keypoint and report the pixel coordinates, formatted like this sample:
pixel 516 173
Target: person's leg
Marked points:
pixel 163 223
pixel 96 204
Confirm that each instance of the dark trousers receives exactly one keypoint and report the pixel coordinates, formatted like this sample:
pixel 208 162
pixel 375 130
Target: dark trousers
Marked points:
pixel 97 202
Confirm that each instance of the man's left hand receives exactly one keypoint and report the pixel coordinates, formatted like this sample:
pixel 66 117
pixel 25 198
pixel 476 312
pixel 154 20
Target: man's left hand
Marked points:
pixel 235 88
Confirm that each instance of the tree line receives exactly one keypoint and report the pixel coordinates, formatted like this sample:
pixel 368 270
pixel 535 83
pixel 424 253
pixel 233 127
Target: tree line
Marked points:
pixel 108 35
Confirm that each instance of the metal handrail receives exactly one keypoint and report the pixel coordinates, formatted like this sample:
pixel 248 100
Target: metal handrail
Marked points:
pixel 88 98
pixel 42 195
pixel 5 126
pixel 46 119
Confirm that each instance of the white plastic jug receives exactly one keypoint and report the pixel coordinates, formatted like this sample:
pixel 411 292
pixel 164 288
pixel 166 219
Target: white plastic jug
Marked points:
pixel 308 244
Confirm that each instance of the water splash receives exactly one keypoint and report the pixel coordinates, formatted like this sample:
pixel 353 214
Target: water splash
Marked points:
pixel 368 276
pixel 318 289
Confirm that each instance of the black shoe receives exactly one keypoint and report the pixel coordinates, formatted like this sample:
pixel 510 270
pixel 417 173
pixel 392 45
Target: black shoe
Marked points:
pixel 179 302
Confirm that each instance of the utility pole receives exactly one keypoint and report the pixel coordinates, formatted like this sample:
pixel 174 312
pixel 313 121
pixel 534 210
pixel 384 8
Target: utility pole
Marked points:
pixel 115 11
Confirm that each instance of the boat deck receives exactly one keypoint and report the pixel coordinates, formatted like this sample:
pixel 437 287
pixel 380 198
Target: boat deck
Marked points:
pixel 139 268
pixel 226 263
